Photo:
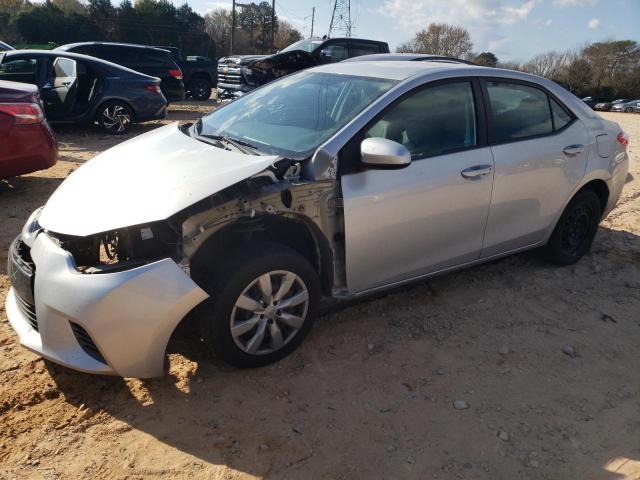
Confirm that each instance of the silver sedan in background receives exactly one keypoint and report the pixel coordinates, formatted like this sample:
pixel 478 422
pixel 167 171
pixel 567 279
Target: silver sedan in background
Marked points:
pixel 340 180
pixel 627 107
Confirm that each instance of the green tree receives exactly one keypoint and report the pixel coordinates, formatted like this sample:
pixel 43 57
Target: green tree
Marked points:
pixel 487 59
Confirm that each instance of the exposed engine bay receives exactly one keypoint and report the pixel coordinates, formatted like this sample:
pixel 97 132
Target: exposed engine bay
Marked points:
pixel 275 199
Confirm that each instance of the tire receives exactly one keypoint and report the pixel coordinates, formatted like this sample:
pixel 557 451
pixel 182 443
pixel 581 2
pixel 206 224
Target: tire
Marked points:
pixel 255 340
pixel 628 110
pixel 576 229
pixel 200 89
pixel 115 117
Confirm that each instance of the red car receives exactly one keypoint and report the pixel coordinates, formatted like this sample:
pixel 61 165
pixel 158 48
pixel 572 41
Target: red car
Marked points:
pixel 26 140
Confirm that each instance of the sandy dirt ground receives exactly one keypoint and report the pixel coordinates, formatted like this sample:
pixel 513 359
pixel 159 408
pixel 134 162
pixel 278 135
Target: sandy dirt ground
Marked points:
pixel 370 394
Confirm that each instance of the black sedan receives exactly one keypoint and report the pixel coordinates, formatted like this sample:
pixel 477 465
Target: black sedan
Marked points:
pixel 81 89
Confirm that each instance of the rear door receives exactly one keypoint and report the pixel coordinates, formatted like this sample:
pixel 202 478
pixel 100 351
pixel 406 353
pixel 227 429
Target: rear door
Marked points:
pixel 59 89
pixel 540 150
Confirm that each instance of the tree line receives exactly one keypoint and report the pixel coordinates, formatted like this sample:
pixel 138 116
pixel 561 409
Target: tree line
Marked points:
pixel 605 69
pixel 149 22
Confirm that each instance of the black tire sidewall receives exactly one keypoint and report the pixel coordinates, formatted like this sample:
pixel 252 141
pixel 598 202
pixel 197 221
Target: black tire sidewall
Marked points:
pixel 110 104
pixel 226 286
pixel 193 88
pixel 554 248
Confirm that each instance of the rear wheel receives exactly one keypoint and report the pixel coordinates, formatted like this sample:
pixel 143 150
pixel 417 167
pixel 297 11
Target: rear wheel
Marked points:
pixel 200 88
pixel 115 117
pixel 263 303
pixel 576 229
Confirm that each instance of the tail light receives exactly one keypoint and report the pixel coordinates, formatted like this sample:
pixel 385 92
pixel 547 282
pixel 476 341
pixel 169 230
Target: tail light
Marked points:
pixel 176 73
pixel 23 113
pixel 153 88
pixel 623 139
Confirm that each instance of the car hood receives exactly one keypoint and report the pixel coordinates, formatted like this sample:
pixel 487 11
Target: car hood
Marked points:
pixel 145 179
pixel 239 59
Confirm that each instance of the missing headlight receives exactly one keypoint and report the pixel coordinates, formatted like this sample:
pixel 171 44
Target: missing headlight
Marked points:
pixel 121 249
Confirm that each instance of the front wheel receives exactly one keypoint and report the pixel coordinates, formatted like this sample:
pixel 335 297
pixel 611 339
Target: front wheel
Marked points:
pixel 576 229
pixel 263 302
pixel 115 117
pixel 628 110
pixel 200 89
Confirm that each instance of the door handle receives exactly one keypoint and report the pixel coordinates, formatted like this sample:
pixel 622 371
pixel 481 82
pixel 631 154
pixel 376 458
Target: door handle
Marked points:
pixel 573 150
pixel 66 84
pixel 476 171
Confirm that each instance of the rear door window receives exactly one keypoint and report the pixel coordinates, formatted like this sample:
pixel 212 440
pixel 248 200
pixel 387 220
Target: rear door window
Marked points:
pixel 518 111
pixel 357 49
pixel 64 67
pixel 334 52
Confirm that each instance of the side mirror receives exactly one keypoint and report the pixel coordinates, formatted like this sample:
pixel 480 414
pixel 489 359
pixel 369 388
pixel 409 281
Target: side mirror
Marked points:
pixel 384 153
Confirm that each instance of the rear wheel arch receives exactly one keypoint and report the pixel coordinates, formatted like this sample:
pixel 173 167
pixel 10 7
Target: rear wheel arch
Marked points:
pixel 121 100
pixel 600 188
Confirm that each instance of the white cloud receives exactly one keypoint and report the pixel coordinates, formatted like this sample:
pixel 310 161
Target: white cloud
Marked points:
pixel 497 43
pixel 575 3
pixel 539 22
pixel 483 18
pixel 416 14
pixel 594 23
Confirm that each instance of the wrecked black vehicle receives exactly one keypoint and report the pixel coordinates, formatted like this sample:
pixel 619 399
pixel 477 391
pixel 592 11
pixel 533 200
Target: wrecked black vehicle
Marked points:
pixel 239 74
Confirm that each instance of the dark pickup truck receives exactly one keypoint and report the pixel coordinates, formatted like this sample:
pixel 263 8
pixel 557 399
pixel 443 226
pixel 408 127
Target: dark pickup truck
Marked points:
pixel 200 74
pixel 239 74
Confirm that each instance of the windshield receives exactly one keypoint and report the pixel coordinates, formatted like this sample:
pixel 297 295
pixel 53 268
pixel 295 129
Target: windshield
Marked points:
pixel 308 45
pixel 293 116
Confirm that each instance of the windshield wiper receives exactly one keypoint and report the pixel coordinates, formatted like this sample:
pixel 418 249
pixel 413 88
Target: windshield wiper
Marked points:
pixel 244 147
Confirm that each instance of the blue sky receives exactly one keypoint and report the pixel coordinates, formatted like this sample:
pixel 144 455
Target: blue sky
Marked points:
pixel 512 29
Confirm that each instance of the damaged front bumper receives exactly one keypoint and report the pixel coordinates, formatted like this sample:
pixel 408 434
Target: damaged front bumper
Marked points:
pixel 110 323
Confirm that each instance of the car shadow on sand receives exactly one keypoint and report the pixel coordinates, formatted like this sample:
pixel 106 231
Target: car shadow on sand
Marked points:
pixel 334 400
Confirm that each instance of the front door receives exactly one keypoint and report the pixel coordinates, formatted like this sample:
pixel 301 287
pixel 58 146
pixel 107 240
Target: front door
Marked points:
pixel 431 215
pixel 59 88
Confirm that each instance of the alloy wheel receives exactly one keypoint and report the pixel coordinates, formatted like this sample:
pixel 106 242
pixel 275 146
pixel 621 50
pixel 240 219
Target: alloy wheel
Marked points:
pixel 116 118
pixel 269 312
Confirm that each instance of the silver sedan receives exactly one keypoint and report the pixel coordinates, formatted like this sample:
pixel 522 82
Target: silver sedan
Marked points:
pixel 627 107
pixel 340 180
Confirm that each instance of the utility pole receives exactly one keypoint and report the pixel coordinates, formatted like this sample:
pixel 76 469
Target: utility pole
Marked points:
pixel 233 27
pixel 313 16
pixel 341 18
pixel 273 24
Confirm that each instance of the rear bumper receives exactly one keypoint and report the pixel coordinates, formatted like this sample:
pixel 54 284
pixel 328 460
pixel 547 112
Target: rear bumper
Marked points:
pixel 158 114
pixel 26 149
pixel 114 323
pixel 172 89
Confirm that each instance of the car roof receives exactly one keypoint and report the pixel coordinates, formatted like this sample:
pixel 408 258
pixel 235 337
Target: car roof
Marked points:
pixel 114 44
pixel 390 69
pixel 407 56
pixel 73 56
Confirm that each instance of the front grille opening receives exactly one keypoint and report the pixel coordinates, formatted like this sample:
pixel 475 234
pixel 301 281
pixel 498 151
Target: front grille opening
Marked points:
pixel 29 311
pixel 23 256
pixel 85 342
